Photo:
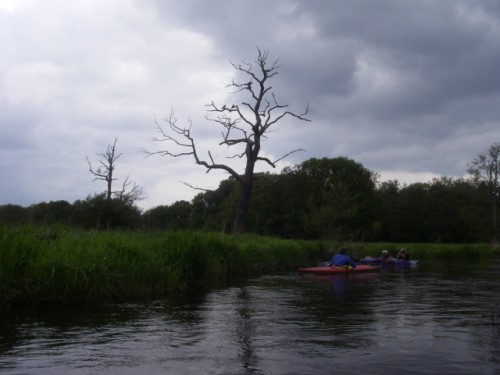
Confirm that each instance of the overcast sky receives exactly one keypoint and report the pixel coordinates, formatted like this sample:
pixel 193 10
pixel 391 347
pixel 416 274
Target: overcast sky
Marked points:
pixel 409 89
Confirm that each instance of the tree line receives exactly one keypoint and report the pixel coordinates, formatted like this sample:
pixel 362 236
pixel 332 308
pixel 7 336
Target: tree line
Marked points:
pixel 319 199
pixel 328 198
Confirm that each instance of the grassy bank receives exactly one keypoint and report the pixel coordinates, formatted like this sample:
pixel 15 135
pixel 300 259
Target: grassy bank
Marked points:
pixel 67 266
pixel 47 265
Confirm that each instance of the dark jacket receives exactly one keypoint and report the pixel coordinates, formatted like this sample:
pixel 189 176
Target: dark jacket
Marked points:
pixel 340 260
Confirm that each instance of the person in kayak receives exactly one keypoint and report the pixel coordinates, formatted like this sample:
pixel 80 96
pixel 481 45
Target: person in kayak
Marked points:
pixel 341 259
pixel 384 255
pixel 403 255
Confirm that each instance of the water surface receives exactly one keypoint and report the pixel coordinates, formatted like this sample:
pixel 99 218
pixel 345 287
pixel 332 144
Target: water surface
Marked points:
pixel 423 320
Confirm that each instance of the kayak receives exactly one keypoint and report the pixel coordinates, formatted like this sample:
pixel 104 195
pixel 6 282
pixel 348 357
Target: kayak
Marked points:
pixel 329 270
pixel 394 261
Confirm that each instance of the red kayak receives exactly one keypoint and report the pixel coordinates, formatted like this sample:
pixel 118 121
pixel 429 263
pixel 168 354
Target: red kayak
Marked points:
pixel 329 270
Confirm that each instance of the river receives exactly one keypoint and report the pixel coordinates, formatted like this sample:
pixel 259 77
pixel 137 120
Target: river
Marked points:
pixel 427 319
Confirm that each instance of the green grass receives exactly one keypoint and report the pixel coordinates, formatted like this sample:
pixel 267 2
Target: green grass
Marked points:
pixel 66 266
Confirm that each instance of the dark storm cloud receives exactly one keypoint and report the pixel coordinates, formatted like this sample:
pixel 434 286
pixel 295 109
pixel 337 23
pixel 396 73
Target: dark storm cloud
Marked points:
pixel 410 89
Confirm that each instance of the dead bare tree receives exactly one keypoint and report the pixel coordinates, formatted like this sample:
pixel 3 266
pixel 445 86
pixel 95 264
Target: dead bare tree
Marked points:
pixel 105 172
pixel 106 168
pixel 244 126
pixel 129 194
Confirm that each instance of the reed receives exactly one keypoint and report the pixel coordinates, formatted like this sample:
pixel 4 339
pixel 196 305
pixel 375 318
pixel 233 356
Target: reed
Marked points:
pixel 67 266
pixel 60 265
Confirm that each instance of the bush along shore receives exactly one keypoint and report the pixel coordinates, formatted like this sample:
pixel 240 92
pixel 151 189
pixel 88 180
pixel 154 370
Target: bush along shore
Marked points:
pixel 65 266
pixel 45 265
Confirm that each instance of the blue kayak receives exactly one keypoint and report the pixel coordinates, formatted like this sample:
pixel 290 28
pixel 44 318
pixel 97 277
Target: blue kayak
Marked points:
pixel 390 261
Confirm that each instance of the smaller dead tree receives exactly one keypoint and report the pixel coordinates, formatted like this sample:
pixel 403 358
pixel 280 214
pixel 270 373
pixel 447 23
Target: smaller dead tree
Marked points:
pixel 130 192
pixel 105 172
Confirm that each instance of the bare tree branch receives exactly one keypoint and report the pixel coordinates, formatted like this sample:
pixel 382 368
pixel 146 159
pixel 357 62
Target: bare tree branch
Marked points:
pixel 105 172
pixel 244 126
pixel 108 164
pixel 195 187
pixel 129 194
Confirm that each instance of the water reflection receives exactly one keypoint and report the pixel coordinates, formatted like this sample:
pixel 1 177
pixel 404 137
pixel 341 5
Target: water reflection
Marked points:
pixel 438 319
pixel 245 331
pixel 343 284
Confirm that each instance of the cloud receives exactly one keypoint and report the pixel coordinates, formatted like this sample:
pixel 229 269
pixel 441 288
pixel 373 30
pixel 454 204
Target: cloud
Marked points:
pixel 407 89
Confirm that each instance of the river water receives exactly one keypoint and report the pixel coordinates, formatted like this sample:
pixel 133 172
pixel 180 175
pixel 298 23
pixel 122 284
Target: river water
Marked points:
pixel 423 320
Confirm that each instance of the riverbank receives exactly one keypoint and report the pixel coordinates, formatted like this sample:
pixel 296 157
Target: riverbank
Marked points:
pixel 41 265
pixel 66 266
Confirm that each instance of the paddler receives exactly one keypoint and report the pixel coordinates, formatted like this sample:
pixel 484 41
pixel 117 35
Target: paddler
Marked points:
pixel 341 259
pixel 403 255
pixel 384 256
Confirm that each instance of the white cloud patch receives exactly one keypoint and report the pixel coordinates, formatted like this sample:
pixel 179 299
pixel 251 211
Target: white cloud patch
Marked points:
pixel 410 91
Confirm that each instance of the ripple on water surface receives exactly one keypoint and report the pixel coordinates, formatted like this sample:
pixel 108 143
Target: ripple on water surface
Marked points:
pixel 413 322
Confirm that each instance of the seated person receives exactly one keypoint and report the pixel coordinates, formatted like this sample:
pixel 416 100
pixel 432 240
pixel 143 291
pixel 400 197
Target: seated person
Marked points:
pixel 384 255
pixel 403 255
pixel 341 259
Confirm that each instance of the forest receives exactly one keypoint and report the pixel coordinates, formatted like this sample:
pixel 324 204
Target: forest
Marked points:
pixel 326 199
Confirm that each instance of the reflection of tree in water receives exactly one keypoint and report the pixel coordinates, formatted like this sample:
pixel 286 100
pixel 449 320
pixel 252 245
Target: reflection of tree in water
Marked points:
pixel 20 325
pixel 62 326
pixel 458 299
pixel 487 334
pixel 495 337
pixel 245 330
pixel 345 286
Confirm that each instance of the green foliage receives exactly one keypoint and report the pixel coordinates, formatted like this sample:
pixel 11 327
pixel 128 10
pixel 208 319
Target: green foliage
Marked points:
pixel 13 214
pixel 443 211
pixel 340 197
pixel 265 215
pixel 267 254
pixel 214 210
pixel 58 212
pixel 321 199
pixel 98 212
pixel 174 217
pixel 61 265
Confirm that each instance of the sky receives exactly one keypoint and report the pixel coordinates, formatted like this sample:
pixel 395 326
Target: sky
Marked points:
pixel 409 89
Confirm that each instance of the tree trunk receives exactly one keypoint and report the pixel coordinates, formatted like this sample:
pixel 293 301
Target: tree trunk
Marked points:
pixel 109 191
pixel 243 204
pixel 244 126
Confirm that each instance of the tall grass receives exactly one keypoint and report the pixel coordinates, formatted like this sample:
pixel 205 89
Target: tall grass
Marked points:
pixel 67 266
pixel 60 265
